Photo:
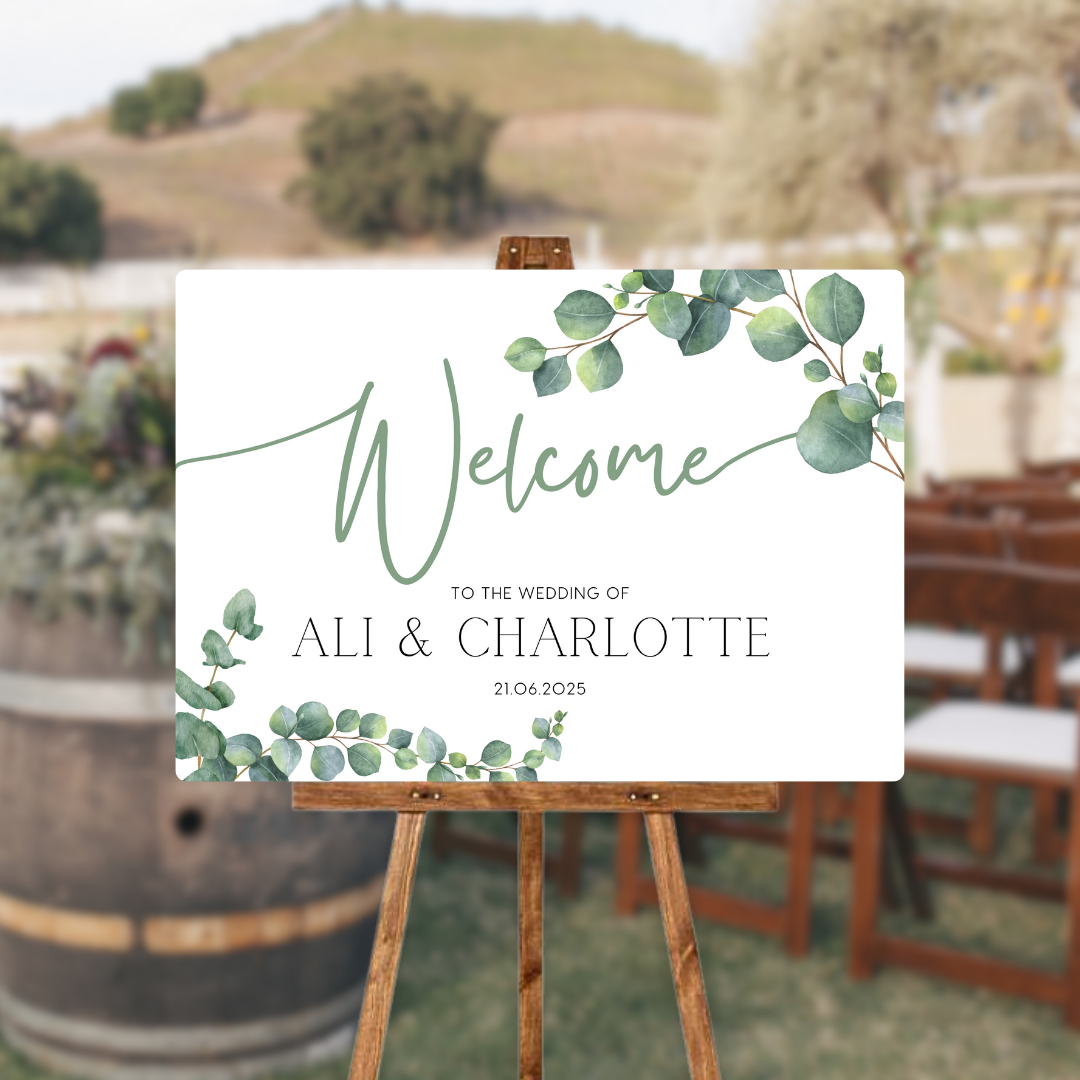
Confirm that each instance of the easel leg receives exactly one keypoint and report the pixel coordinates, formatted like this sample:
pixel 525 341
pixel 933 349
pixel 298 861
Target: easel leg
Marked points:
pixel 627 863
pixel 866 857
pixel 386 953
pixel 800 868
pixel 530 945
pixel 682 946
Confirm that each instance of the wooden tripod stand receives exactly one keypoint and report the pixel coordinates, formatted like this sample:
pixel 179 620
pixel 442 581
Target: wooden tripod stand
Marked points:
pixel 658 802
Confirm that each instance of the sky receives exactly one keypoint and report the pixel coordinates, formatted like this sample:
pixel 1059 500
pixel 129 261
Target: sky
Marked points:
pixel 60 58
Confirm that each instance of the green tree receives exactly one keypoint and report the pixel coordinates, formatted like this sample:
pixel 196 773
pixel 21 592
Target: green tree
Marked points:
pixel 176 96
pixel 386 158
pixel 131 111
pixel 49 211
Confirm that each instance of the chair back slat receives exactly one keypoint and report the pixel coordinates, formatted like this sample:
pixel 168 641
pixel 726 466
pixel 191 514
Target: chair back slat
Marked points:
pixel 939 534
pixel 1054 543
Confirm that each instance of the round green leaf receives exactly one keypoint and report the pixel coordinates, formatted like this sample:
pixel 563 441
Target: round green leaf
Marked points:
pixel 240 615
pixel 223 692
pixel 709 323
pixel 365 759
pixel 472 772
pixel 534 758
pixel 775 334
pixel 439 773
pixel 541 728
pixel 669 314
pixel 525 354
pixel 186 726
pixel 198 697
pixel 760 285
pixel 525 773
pixel 891 421
pixel 501 777
pixel 327 762
pixel 816 370
pixel 633 281
pixel 829 441
pixel 399 738
pixel 405 758
pixel 857 403
pixel 557 729
pixel 559 715
pixel 372 726
pixel 496 753
pixel 457 761
pixel 347 720
pixel 835 308
pixel 283 721
pixel 430 746
pixel 657 280
pixel 552 748
pixel 583 314
pixel 552 376
pixel 871 361
pixel 217 652
pixel 265 770
pixel 209 740
pixel 286 755
pixel 313 721
pixel 206 772
pixel 242 750
pixel 620 300
pixel 886 384
pixel 600 367
pixel 722 285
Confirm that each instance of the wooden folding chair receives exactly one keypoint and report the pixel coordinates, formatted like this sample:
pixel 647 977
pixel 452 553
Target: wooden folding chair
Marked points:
pixel 980 740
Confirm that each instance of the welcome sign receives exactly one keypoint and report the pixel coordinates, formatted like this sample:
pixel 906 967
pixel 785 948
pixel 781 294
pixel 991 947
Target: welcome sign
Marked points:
pixel 525 527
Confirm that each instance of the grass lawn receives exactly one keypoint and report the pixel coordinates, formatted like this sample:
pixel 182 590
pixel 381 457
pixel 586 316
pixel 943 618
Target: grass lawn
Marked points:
pixel 610 1007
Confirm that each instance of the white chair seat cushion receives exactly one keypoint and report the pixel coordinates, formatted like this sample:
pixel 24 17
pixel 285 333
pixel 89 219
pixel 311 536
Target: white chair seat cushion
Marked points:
pixel 1069 672
pixel 989 732
pixel 954 652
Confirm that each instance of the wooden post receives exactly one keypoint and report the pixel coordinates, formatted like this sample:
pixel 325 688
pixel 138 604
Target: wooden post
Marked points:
pixel 865 878
pixel 800 868
pixel 530 946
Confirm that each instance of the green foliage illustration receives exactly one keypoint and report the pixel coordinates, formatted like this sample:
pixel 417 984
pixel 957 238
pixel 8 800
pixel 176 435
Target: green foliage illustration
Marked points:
pixel 843 424
pixel 362 741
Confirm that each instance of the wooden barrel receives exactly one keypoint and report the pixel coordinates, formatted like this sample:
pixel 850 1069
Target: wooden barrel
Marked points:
pixel 152 928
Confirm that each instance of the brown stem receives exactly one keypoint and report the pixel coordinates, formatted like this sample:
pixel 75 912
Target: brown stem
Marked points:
pixel 886 468
pixel 810 330
pixel 885 447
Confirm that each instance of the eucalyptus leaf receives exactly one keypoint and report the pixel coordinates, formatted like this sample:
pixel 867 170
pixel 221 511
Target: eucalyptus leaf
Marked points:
pixel 600 367
pixel 775 334
pixel 583 314
pixel 633 281
pixel 886 384
pixel 552 748
pixel 186 726
pixel 557 729
pixel 372 726
pixel 405 758
pixel 286 754
pixel 658 280
pixel 313 721
pixel 283 721
pixel 760 285
pixel 217 652
pixel 347 720
pixel 496 753
pixel 857 403
pixel 835 308
pixel 525 354
pixel 241 750
pixel 327 762
pixel 871 361
pixel 501 777
pixel 223 692
pixel 723 286
pixel 620 300
pixel 457 761
pixel 399 738
pixel 829 441
pixel 559 715
pixel 240 615
pixel 891 421
pixel 552 376
pixel 472 772
pixel 430 746
pixel 205 772
pixel 816 370
pixel 198 697
pixel 365 759
pixel 709 323
pixel 209 740
pixel 525 773
pixel 534 758
pixel 541 728
pixel 265 771
pixel 669 314
pixel 439 773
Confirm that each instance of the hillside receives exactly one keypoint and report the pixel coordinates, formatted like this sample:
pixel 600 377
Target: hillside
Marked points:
pixel 597 126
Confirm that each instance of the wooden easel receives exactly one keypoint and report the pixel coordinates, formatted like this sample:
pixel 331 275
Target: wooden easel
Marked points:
pixel 658 803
